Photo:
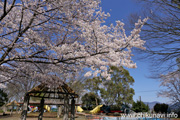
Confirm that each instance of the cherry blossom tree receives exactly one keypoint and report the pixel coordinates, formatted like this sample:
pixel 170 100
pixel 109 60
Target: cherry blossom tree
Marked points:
pixel 61 36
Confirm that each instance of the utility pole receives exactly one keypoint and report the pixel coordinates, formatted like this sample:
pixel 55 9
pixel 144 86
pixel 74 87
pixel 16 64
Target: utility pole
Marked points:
pixel 140 103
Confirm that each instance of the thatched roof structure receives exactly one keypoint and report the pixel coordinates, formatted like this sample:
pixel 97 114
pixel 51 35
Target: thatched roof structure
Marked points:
pixel 13 103
pixel 46 91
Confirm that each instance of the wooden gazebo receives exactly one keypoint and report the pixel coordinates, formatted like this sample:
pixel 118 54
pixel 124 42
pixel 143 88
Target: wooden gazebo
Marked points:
pixel 44 91
pixel 13 103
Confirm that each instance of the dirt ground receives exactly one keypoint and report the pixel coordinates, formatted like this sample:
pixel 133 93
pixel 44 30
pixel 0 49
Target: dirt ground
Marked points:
pixel 46 116
pixel 34 116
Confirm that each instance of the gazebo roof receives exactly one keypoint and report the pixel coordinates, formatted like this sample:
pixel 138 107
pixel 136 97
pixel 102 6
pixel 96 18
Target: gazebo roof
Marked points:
pixel 46 91
pixel 13 103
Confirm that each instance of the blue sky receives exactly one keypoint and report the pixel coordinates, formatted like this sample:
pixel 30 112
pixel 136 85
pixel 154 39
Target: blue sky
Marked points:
pixel 145 87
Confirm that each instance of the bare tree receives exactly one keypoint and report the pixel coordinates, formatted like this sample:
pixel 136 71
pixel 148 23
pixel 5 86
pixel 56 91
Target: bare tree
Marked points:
pixel 161 32
pixel 78 85
pixel 22 82
pixel 171 82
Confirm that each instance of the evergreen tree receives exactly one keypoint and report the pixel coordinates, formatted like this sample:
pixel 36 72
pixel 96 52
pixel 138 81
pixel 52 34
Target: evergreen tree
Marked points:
pixel 93 86
pixel 117 91
pixel 162 108
pixel 89 100
pixel 3 97
pixel 139 106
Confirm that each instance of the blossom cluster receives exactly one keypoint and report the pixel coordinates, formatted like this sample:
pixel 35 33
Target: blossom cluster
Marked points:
pixel 65 35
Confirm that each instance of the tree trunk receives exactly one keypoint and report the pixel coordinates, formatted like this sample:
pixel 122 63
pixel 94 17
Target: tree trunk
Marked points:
pixel 41 109
pixel 66 108
pixel 73 109
pixel 25 107
pixel 96 101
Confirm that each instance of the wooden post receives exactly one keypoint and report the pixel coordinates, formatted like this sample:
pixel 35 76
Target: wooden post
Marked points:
pixel 41 109
pixel 66 108
pixel 73 109
pixel 4 109
pixel 59 111
pixel 16 108
pixel 12 108
pixel 25 107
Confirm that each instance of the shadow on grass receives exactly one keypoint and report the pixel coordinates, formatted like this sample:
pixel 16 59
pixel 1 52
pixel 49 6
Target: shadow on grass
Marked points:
pixel 43 116
pixel 5 116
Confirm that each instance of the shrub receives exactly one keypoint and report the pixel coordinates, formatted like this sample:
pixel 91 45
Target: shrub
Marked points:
pixel 116 114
